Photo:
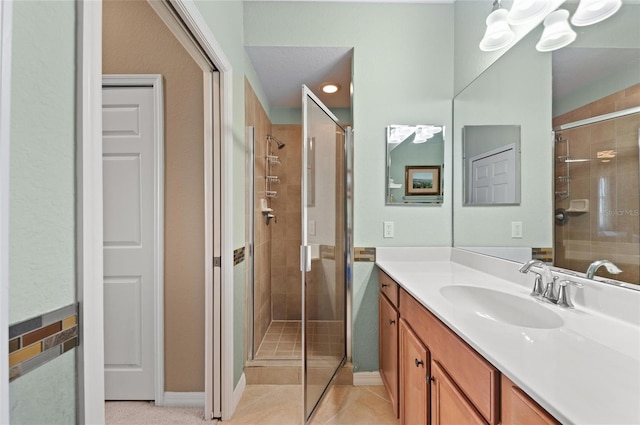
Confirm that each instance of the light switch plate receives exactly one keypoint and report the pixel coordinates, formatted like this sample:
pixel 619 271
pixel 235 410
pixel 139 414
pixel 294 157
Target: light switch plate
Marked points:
pixel 388 229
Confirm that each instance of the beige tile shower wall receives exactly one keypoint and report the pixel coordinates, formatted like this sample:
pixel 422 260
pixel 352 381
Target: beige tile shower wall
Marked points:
pixel 135 41
pixel 611 227
pixel 256 117
pixel 286 232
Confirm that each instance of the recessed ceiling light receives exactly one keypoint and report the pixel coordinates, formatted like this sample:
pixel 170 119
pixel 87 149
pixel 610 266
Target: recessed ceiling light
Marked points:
pixel 330 88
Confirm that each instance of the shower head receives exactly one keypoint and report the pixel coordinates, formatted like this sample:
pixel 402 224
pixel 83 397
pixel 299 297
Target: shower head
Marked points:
pixel 278 142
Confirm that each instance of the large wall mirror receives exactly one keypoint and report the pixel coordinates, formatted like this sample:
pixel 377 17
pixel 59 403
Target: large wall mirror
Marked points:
pixel 415 164
pixel 578 109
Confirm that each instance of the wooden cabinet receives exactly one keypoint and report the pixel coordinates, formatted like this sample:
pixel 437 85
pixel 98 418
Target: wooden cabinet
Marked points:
pixel 388 353
pixel 388 287
pixel 436 377
pixel 518 408
pixel 414 382
pixel 388 337
pixel 476 377
pixel 449 406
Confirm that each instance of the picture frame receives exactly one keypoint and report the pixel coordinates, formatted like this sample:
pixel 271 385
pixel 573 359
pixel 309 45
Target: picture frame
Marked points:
pixel 421 180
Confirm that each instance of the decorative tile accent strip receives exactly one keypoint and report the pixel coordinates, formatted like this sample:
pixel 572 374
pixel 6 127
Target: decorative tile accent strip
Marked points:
pixel 238 256
pixel 364 254
pixel 36 341
pixel 542 254
pixel 328 252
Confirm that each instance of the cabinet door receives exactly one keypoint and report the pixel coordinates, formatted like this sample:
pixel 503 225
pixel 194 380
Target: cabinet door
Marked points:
pixel 449 406
pixel 388 333
pixel 518 408
pixel 414 372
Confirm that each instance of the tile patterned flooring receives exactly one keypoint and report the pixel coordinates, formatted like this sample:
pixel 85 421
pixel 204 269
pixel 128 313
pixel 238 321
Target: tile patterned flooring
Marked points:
pixel 343 404
pixel 269 405
pixel 283 339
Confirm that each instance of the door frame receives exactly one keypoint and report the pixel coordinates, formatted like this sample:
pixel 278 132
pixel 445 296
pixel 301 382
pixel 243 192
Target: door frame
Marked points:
pixel 5 133
pixel 155 82
pixel 89 195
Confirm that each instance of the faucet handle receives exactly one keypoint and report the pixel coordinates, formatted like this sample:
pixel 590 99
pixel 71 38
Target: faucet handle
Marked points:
pixel 563 295
pixel 538 289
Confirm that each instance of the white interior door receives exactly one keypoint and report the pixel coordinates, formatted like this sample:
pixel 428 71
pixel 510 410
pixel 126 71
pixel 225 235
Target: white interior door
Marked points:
pixel 493 178
pixel 130 241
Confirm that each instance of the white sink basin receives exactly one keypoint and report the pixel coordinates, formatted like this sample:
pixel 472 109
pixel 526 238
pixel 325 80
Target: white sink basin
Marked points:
pixel 502 307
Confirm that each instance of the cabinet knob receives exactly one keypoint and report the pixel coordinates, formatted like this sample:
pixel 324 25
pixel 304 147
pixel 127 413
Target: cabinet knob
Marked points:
pixel 430 378
pixel 384 285
pixel 419 363
pixel 391 321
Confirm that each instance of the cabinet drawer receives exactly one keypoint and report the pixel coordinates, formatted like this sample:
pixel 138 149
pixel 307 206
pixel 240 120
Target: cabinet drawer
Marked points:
pixel 388 287
pixel 519 408
pixel 476 377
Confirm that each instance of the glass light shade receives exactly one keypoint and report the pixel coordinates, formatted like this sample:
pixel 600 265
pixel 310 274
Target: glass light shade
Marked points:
pixel 557 32
pixel 593 11
pixel 524 11
pixel 498 34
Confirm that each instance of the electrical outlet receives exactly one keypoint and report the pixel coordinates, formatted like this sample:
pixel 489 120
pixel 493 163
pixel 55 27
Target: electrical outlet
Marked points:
pixel 388 229
pixel 516 230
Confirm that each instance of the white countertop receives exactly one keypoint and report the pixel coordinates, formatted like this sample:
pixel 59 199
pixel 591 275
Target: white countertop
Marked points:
pixel 586 371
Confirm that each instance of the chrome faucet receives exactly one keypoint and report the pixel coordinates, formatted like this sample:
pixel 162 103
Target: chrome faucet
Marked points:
pixel 593 267
pixel 537 285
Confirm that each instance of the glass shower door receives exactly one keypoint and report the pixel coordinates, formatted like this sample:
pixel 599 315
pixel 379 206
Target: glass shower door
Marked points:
pixel 323 250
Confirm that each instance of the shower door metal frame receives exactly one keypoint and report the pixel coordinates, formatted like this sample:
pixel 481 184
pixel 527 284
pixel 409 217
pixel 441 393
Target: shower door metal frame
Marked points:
pixel 250 166
pixel 305 249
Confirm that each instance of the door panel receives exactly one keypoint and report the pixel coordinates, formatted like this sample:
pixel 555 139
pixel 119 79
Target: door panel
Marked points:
pixel 450 406
pixel 494 178
pixel 414 370
pixel 324 254
pixel 129 242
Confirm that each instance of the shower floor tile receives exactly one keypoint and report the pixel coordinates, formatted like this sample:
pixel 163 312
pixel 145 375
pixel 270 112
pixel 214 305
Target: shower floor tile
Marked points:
pixel 282 341
pixel 284 338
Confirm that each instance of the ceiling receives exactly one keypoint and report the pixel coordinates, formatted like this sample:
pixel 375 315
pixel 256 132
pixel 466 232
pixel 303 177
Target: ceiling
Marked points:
pixel 283 70
pixel 577 67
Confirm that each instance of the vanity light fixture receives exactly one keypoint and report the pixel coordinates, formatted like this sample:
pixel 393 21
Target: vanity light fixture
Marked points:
pixel 593 11
pixel 524 11
pixel 330 88
pixel 498 34
pixel 557 32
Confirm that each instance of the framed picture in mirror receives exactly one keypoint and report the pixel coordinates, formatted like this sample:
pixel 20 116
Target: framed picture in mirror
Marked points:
pixel 422 180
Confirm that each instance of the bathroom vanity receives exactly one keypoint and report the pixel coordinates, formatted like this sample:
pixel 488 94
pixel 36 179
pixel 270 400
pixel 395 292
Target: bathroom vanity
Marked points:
pixel 459 345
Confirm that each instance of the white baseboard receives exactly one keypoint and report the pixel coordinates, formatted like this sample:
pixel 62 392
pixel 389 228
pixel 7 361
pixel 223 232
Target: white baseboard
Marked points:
pixel 180 399
pixel 366 378
pixel 237 392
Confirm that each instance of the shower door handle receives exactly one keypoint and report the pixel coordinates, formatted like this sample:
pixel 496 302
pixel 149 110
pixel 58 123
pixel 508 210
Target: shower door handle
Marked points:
pixel 305 258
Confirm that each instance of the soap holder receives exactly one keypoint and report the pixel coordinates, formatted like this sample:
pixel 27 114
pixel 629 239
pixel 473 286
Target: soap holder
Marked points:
pixel 578 206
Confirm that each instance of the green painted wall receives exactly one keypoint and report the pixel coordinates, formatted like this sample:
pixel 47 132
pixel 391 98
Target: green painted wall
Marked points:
pixel 42 195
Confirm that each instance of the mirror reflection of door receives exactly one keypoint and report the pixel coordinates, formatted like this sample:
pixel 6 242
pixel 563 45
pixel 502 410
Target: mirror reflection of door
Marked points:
pixel 493 177
pixel 491 157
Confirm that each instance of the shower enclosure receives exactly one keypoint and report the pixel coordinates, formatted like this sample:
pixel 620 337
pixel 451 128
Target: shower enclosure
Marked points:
pixel 597 191
pixel 298 276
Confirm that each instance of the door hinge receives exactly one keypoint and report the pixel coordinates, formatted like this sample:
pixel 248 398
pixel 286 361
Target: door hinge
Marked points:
pixel 217 262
